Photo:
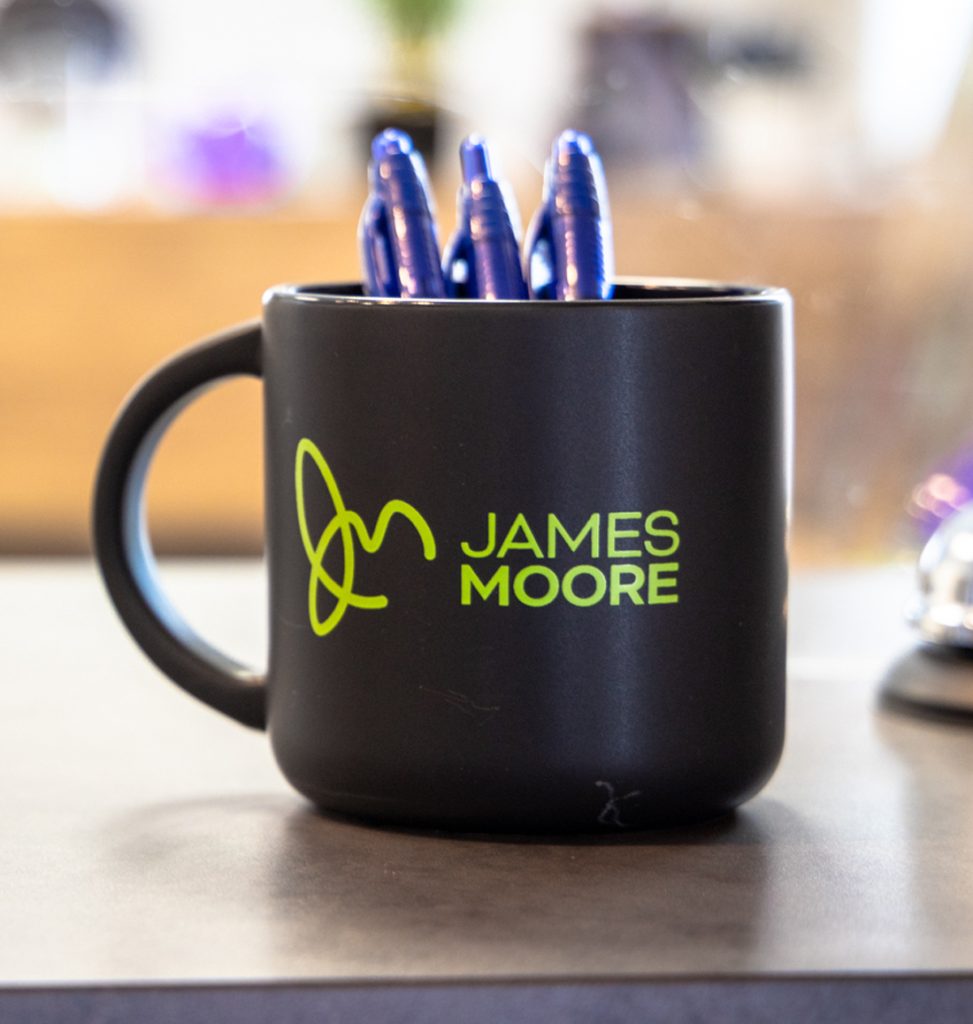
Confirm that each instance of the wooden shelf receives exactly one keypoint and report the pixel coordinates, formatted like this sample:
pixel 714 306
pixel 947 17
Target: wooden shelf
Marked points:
pixel 90 304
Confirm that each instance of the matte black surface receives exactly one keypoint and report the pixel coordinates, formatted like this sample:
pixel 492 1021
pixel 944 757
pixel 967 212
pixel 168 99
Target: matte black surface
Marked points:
pixel 521 718
pixel 555 718
pixel 119 532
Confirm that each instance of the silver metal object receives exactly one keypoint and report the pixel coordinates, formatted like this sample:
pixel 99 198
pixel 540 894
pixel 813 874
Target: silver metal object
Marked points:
pixel 936 678
pixel 943 612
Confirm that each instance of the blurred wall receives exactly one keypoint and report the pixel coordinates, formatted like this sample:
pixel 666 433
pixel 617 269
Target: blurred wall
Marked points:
pixel 799 183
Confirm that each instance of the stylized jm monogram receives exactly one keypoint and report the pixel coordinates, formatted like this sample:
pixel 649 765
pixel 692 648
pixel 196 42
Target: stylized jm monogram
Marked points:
pixel 349 525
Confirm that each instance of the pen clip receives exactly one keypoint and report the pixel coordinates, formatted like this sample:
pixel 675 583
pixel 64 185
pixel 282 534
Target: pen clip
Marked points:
pixel 376 252
pixel 539 254
pixel 459 264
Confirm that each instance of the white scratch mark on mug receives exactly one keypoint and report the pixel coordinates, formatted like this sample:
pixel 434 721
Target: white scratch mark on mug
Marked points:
pixel 611 813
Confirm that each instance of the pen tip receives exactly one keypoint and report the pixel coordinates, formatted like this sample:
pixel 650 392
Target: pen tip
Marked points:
pixel 474 158
pixel 391 142
pixel 573 143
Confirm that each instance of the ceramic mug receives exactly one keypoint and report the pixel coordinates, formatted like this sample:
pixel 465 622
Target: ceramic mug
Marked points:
pixel 527 560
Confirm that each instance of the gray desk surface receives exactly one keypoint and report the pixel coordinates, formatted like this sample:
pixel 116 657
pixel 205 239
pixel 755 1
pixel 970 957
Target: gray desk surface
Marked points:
pixel 150 851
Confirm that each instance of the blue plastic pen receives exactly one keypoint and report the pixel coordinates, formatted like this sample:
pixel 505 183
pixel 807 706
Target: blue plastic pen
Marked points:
pixel 397 231
pixel 568 251
pixel 482 259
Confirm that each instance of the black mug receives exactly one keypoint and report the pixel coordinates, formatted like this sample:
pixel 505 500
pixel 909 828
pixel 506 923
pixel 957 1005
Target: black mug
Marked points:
pixel 527 560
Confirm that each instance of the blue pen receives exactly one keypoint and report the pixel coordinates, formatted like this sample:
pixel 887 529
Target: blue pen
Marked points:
pixel 397 231
pixel 568 251
pixel 482 259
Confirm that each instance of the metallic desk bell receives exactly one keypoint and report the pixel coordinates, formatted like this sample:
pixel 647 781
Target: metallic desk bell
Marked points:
pixel 937 677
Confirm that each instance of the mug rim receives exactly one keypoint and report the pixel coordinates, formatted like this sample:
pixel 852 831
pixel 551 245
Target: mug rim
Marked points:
pixel 635 291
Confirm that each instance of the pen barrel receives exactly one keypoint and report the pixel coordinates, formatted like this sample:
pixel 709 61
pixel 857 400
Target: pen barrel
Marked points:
pixel 412 229
pixel 402 186
pixel 582 269
pixel 580 238
pixel 578 186
pixel 496 255
pixel 416 252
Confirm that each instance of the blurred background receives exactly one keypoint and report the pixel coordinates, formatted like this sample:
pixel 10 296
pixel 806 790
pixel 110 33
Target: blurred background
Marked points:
pixel 162 164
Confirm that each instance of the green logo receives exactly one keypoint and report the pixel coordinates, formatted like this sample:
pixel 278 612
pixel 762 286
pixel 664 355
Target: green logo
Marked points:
pixel 349 526
pixel 617 558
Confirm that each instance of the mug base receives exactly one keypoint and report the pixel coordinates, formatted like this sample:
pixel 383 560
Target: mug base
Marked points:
pixel 569 801
pixel 609 821
pixel 714 824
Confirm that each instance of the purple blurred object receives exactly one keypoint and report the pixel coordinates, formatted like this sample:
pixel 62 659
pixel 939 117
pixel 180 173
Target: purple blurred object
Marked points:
pixel 227 161
pixel 947 488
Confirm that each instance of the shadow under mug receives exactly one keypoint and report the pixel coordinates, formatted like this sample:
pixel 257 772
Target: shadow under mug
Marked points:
pixel 527 560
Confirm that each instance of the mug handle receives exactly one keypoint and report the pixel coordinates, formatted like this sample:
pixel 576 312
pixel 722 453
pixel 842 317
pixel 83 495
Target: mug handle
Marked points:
pixel 121 541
